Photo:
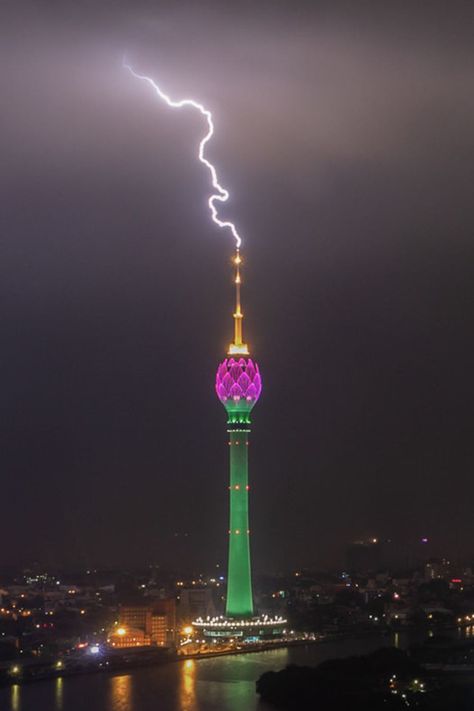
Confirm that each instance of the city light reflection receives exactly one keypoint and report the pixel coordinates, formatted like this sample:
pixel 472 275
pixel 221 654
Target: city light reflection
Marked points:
pixel 187 688
pixel 15 700
pixel 121 693
pixel 58 693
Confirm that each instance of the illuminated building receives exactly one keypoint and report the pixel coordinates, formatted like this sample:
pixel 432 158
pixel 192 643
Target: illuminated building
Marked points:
pixel 152 623
pixel 123 637
pixel 238 387
pixel 166 607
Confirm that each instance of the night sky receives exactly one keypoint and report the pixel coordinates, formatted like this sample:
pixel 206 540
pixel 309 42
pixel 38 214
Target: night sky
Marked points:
pixel 344 132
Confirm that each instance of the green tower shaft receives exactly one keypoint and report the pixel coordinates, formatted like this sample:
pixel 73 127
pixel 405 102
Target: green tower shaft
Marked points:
pixel 239 577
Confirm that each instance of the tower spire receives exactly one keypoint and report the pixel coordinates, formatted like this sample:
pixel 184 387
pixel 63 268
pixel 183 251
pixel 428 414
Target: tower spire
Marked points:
pixel 237 347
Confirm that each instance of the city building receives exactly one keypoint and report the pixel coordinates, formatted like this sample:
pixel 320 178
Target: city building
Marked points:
pixel 166 608
pixel 150 623
pixel 124 637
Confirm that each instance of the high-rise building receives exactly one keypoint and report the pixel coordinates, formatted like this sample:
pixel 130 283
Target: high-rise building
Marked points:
pixel 238 387
pixel 145 624
pixel 166 608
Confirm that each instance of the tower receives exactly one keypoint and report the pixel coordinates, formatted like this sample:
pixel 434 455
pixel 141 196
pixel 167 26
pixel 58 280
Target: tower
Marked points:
pixel 238 387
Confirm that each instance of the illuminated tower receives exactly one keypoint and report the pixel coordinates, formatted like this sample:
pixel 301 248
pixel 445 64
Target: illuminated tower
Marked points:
pixel 238 387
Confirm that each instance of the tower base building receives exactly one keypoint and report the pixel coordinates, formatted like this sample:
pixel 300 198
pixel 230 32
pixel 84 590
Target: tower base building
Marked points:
pixel 245 630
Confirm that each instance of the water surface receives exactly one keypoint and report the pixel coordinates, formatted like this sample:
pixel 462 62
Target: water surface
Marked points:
pixel 219 684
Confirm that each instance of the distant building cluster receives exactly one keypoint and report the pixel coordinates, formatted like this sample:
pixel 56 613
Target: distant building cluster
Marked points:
pixel 69 617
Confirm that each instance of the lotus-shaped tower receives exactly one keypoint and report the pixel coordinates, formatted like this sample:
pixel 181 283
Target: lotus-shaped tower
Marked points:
pixel 238 387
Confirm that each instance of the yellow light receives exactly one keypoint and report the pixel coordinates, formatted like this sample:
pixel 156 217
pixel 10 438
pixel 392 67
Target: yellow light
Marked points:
pixel 15 670
pixel 241 349
pixel 59 665
pixel 121 631
pixel 187 630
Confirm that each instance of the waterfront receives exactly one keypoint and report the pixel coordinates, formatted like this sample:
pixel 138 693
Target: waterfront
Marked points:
pixel 218 684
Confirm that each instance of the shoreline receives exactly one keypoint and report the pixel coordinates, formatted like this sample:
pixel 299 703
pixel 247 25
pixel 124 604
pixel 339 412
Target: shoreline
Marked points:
pixel 251 649
pixel 115 664
pixel 130 660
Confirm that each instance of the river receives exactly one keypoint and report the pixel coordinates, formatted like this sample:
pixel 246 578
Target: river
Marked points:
pixel 218 684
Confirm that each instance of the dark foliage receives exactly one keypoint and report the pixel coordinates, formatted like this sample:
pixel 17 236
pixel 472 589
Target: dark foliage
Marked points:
pixel 359 684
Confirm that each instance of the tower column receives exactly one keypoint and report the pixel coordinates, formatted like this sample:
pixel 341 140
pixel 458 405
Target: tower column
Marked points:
pixel 239 579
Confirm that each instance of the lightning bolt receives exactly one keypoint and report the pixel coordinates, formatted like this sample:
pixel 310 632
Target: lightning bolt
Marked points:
pixel 220 194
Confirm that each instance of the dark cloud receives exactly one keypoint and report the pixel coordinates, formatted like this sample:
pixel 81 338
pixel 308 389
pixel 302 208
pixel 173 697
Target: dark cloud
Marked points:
pixel 344 133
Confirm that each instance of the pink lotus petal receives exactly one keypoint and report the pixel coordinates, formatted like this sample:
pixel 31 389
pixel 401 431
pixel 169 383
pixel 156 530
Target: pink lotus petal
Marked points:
pixel 250 370
pixel 236 391
pixel 244 381
pixel 222 369
pixel 227 381
pixel 221 392
pixel 251 393
pixel 235 372
pixel 258 383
